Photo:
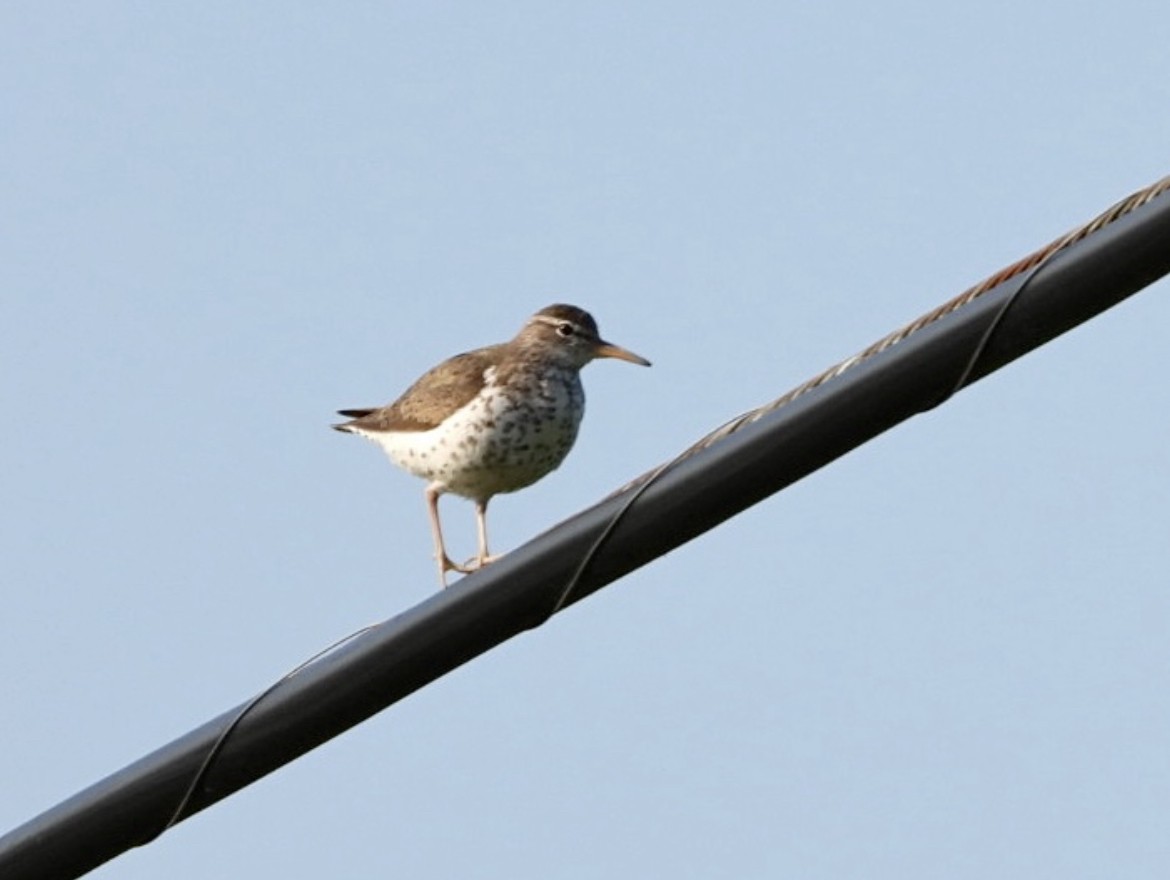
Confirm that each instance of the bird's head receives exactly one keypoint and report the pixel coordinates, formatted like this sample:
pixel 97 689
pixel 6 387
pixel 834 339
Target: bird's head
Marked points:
pixel 570 335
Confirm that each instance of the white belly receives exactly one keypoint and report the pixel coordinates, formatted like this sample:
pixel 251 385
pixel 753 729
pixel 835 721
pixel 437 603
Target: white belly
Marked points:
pixel 495 443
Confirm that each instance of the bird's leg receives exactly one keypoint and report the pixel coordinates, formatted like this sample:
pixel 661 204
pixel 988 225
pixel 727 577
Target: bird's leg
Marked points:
pixel 481 524
pixel 445 564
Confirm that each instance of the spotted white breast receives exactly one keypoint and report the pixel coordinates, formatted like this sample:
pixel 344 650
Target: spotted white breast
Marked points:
pixel 502 440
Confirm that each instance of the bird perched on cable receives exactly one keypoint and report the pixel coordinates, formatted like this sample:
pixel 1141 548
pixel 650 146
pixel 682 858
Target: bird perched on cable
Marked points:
pixel 492 420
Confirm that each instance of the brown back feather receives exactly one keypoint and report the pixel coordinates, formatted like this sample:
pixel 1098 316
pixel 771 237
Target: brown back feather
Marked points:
pixel 437 394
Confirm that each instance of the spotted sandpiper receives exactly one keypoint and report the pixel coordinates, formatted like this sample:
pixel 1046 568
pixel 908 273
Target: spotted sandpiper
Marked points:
pixel 492 420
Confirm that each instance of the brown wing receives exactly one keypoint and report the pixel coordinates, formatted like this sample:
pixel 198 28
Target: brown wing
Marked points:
pixel 432 398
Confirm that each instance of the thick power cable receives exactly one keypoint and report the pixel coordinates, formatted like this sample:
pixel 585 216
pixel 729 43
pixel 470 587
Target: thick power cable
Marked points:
pixel 739 464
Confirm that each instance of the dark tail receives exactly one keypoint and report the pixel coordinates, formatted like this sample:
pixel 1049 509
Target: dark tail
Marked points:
pixel 350 413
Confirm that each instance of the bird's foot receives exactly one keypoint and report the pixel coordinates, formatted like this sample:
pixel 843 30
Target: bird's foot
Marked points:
pixel 446 565
pixel 475 563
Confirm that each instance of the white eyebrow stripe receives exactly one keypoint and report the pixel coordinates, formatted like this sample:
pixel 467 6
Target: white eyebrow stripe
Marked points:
pixel 552 322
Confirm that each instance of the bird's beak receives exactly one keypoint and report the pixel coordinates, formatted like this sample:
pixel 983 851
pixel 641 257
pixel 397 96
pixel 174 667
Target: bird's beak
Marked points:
pixel 609 350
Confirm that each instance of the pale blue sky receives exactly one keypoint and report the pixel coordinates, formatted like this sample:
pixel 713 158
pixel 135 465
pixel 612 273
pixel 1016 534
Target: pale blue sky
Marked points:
pixel 947 655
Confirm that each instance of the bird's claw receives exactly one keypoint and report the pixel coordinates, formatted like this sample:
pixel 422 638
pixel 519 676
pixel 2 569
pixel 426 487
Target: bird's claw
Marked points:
pixel 447 565
pixel 475 563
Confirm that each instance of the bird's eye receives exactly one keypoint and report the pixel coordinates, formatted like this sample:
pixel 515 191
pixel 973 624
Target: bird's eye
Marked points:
pixel 565 329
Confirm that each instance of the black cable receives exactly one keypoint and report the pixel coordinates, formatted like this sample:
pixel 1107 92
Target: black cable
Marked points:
pixel 1103 263
pixel 989 333
pixel 217 747
pixel 964 375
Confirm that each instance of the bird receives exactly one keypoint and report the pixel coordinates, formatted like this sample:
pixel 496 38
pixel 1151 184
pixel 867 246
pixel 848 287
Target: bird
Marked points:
pixel 492 420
